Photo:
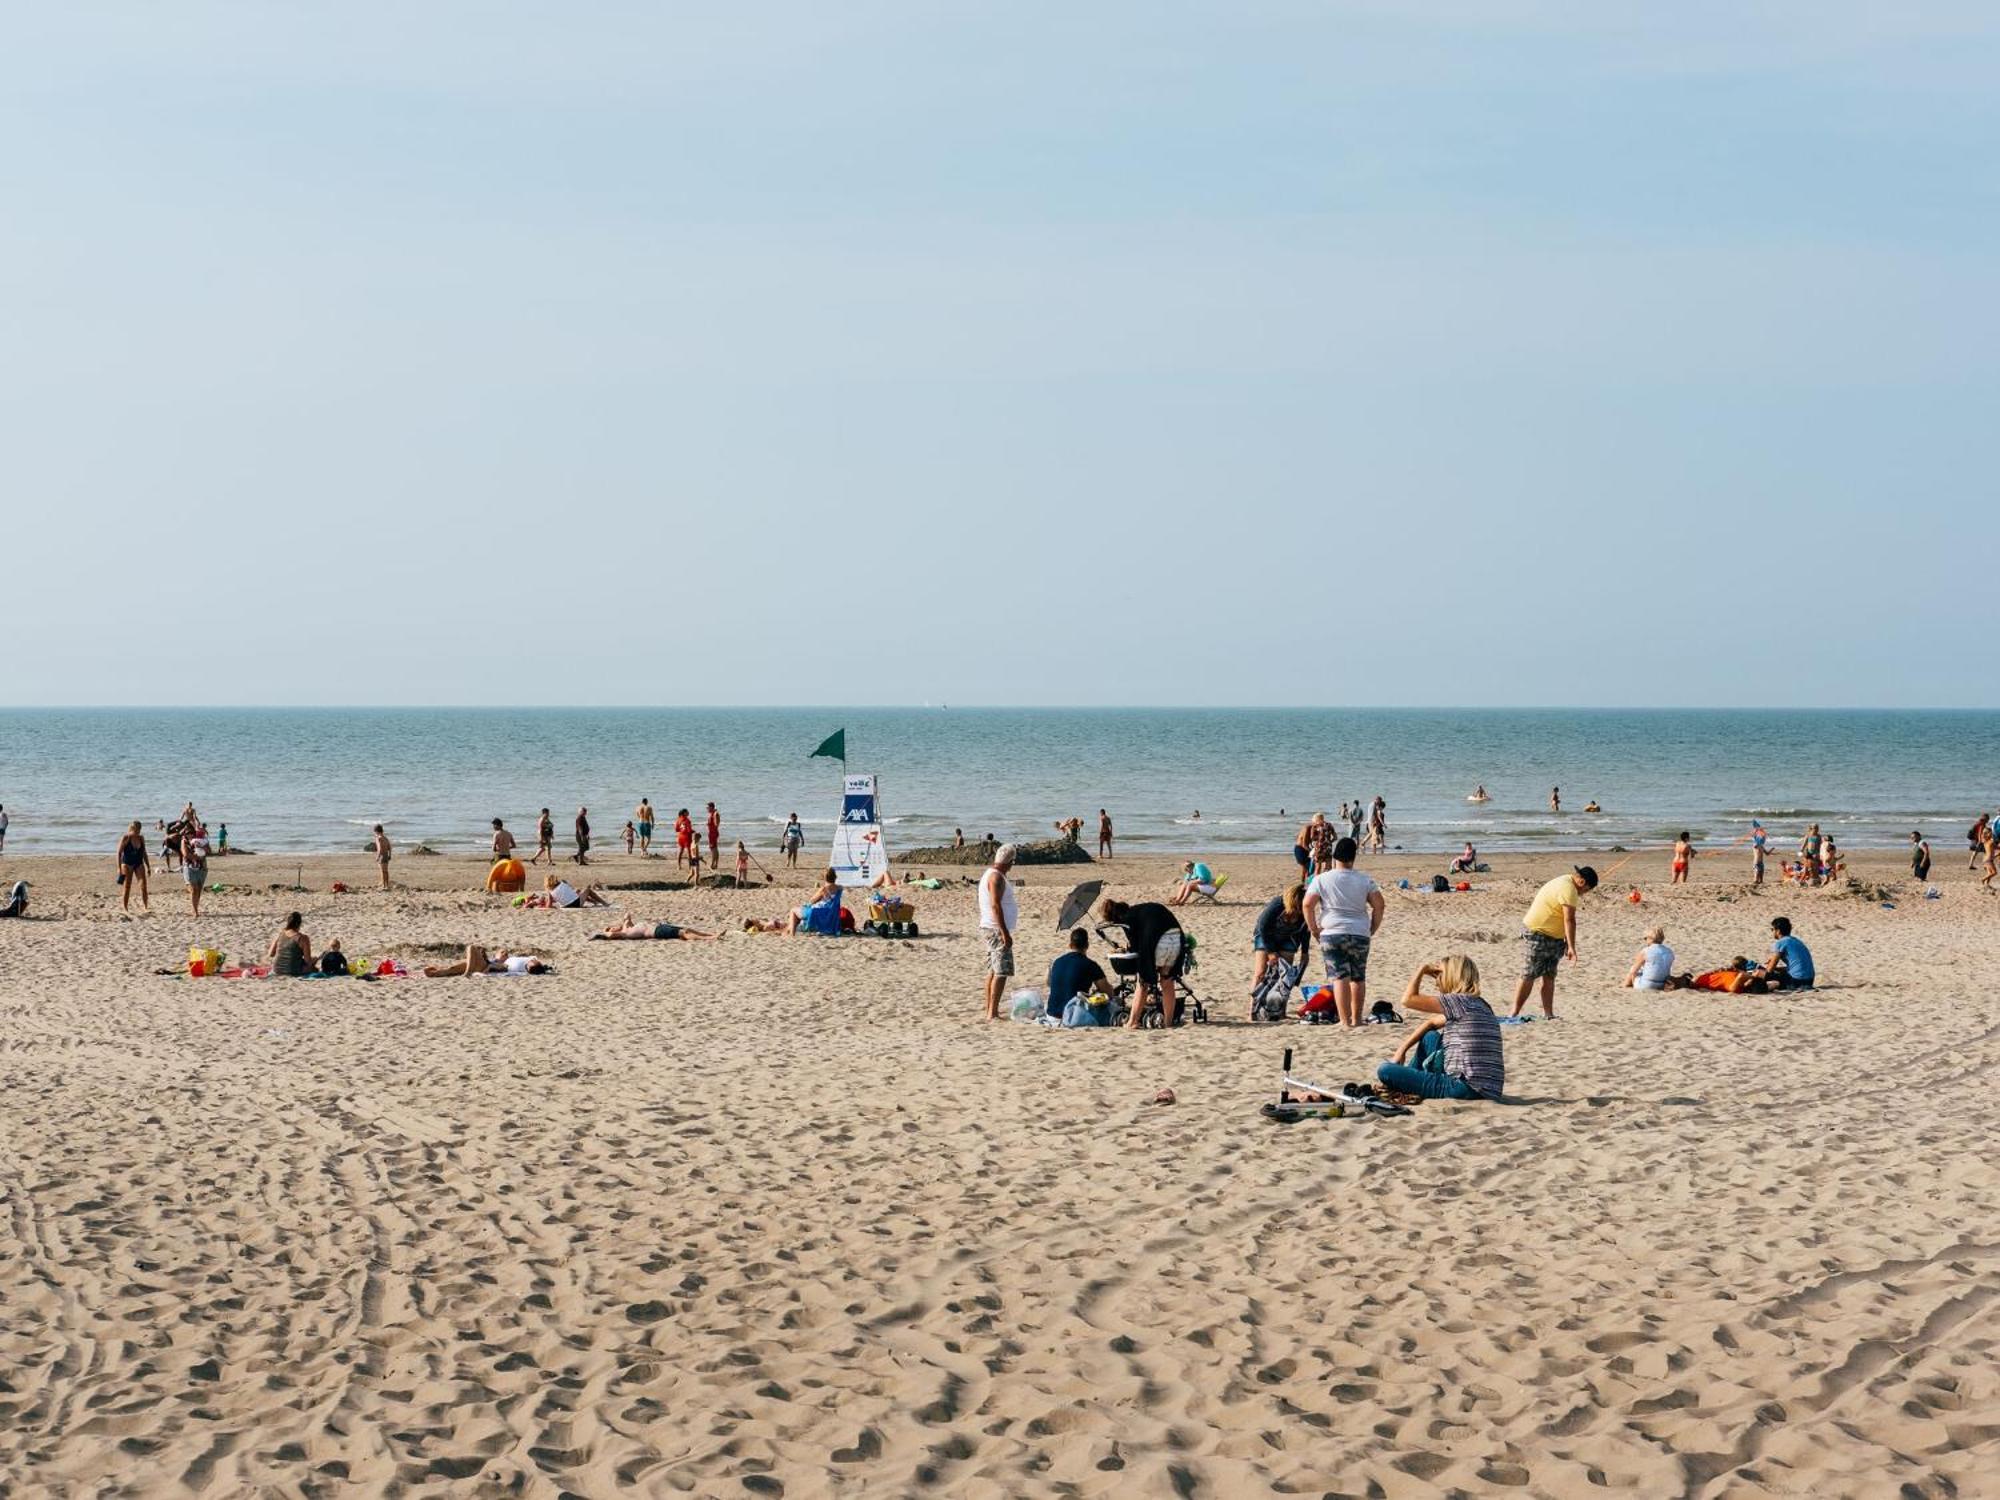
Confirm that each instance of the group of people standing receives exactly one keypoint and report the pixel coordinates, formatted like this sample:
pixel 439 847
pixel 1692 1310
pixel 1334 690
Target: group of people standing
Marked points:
pixel 638 832
pixel 187 844
pixel 1312 850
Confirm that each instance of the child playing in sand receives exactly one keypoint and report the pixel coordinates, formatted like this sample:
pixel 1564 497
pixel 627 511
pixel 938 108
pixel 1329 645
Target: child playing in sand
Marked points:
pixel 742 864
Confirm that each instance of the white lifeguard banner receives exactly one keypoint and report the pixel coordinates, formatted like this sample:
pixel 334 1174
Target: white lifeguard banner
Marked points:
pixel 860 857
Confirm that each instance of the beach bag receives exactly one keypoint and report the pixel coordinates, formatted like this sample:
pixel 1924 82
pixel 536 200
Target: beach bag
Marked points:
pixel 1027 1005
pixel 1440 885
pixel 1319 1009
pixel 1080 1012
pixel 1274 991
pixel 203 961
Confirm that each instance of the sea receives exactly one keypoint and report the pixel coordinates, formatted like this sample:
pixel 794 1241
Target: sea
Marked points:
pixel 1194 780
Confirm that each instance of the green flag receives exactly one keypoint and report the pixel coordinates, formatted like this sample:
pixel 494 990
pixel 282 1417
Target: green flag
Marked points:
pixel 833 747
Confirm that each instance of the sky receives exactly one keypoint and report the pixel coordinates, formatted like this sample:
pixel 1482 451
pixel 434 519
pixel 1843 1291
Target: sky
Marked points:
pixel 1407 352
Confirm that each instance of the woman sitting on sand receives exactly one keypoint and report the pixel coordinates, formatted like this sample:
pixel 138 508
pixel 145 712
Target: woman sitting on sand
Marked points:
pixel 635 930
pixel 1653 966
pixel 1457 1050
pixel 291 951
pixel 559 893
pixel 478 961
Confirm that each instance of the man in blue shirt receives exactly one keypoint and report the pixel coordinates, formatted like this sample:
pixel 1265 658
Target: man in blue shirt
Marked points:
pixel 1073 976
pixel 1790 966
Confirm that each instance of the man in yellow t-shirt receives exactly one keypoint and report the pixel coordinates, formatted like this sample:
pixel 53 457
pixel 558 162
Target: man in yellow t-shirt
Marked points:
pixel 1551 935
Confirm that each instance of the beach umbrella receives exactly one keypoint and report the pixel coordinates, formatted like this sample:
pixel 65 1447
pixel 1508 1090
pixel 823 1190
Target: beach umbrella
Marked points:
pixel 1078 902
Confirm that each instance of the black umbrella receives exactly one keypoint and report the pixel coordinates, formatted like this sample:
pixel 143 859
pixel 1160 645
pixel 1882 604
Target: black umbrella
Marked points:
pixel 1076 905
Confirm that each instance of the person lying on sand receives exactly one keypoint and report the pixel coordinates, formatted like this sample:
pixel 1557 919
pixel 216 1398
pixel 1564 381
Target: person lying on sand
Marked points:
pixel 635 930
pixel 478 961
pixel 557 892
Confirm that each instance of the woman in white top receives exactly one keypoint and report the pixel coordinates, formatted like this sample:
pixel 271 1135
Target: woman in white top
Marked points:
pixel 1653 965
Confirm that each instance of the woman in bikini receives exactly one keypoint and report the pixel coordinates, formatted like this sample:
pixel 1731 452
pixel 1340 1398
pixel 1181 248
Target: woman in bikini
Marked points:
pixel 1683 855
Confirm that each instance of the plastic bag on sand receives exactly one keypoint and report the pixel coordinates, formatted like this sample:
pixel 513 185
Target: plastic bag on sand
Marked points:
pixel 1027 1005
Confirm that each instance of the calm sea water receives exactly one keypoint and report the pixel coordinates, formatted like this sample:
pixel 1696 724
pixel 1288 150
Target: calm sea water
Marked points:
pixel 315 779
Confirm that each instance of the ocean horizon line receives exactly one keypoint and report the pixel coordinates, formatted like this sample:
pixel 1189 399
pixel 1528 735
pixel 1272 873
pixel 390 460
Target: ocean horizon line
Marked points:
pixel 1053 708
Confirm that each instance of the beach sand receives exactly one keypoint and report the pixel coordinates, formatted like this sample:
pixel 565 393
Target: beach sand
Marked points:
pixel 773 1217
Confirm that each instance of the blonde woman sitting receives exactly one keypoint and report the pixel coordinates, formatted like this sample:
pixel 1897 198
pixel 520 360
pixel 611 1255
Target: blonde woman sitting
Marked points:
pixel 1455 1052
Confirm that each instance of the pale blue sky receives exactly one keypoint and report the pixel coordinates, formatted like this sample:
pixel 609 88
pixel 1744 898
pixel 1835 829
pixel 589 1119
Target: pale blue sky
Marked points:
pixel 1435 352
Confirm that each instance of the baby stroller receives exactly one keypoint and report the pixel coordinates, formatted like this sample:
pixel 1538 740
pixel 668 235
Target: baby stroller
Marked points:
pixel 1173 957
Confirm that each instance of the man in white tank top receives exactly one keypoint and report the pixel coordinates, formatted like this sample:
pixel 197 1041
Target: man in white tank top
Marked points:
pixel 999 914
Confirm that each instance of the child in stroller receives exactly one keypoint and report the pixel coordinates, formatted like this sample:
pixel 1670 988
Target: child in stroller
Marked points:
pixel 1150 957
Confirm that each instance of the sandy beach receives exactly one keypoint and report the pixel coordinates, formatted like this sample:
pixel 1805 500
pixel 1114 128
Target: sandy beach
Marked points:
pixel 784 1217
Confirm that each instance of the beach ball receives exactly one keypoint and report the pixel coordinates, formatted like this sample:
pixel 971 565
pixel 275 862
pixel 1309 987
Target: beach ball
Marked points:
pixel 1635 897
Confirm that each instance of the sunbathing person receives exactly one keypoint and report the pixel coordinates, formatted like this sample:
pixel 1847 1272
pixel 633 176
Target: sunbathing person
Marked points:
pixel 1455 1054
pixel 559 893
pixel 637 931
pixel 291 951
pixel 1467 858
pixel 478 961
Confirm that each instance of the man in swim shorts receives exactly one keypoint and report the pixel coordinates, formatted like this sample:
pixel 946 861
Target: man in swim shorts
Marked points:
pixel 634 930
pixel 643 818
pixel 1550 935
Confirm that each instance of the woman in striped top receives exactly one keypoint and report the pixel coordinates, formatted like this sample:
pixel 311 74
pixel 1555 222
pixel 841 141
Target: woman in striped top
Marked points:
pixel 1455 1052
